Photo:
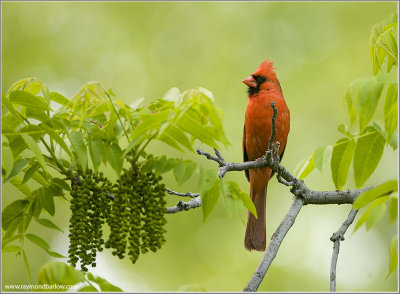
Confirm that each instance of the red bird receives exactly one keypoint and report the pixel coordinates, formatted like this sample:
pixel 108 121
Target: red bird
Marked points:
pixel 264 88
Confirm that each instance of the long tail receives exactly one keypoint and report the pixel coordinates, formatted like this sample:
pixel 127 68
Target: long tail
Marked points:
pixel 255 237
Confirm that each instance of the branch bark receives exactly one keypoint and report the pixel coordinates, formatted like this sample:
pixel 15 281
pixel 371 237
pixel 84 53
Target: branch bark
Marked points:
pixel 274 245
pixel 181 205
pixel 336 238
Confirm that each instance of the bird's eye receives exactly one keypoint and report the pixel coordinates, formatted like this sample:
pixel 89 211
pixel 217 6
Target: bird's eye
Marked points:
pixel 263 79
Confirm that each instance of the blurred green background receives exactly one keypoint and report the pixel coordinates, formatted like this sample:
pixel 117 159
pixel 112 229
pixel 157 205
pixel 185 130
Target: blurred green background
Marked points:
pixel 142 49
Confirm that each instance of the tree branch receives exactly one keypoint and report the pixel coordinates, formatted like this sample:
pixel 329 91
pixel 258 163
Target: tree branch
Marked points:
pixel 188 194
pixel 303 196
pixel 274 245
pixel 180 206
pixel 336 238
pixel 299 188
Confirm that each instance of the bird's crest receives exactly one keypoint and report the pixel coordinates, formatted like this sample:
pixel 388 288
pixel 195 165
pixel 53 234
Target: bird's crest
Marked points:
pixel 266 69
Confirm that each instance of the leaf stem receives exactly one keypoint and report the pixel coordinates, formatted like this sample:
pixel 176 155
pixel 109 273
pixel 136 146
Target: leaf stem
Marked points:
pixel 119 118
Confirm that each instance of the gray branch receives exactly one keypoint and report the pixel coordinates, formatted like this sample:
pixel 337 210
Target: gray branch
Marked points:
pixel 274 245
pixel 181 205
pixel 303 196
pixel 188 194
pixel 299 188
pixel 336 238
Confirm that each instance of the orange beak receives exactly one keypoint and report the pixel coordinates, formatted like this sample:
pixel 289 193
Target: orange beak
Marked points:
pixel 250 82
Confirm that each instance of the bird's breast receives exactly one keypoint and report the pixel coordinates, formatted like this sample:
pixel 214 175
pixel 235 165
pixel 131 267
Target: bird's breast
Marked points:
pixel 258 124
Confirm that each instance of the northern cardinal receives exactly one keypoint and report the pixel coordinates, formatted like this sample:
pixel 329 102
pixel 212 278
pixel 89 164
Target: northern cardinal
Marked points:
pixel 263 88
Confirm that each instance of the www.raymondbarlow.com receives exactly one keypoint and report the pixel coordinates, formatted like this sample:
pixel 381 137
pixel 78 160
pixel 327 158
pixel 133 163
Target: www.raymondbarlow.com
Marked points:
pixel 39 287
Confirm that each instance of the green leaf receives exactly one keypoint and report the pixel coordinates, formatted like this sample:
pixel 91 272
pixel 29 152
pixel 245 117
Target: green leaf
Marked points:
pixel 203 133
pixel 393 207
pixel 30 172
pixel 149 122
pixel 46 199
pixel 386 78
pixel 12 211
pixel 115 158
pixel 361 99
pixel 162 164
pixel 7 160
pixel 226 197
pixel 19 164
pixel 10 121
pixel 39 115
pixel 184 170
pixel 59 273
pixel 7 240
pixel 342 155
pixel 394 255
pixel 376 214
pixel 104 285
pixel 305 167
pixel 348 101
pixel 367 154
pixel 79 146
pixel 135 104
pixel 370 92
pixel 370 195
pixel 343 129
pixel 11 248
pixel 242 196
pixel 35 149
pixel 48 223
pixel 26 99
pixel 38 241
pixel 174 134
pixel 55 254
pixel 373 214
pixel 16 182
pixel 60 99
pixel 61 183
pixel 97 152
pixel 56 137
pixel 207 179
pixel 394 141
pixel 172 94
pixel 209 199
pixel 391 109
pixel 322 157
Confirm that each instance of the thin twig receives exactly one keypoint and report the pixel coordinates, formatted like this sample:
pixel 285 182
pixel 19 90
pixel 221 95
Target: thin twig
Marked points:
pixel 210 157
pixel 187 194
pixel 180 206
pixel 273 129
pixel 336 238
pixel 219 154
pixel 117 114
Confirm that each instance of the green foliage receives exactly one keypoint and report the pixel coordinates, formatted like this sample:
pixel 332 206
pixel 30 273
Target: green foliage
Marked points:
pixel 59 273
pixel 46 135
pixel 340 162
pixel 367 154
pixel 305 167
pixel 364 143
pixel 383 44
pixel 209 191
pixel 379 191
pixel 233 192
